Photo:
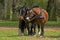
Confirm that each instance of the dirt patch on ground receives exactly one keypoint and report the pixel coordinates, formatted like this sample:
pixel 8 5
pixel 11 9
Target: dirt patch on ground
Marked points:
pixel 8 28
pixel 52 29
pixel 46 28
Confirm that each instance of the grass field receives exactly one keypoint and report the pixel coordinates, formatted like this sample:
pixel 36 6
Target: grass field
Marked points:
pixel 7 33
pixel 16 23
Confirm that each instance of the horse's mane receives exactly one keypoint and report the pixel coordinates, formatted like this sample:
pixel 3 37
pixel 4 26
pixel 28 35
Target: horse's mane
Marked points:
pixel 24 9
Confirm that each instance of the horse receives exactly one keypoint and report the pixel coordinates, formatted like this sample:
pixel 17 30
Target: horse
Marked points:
pixel 23 24
pixel 38 16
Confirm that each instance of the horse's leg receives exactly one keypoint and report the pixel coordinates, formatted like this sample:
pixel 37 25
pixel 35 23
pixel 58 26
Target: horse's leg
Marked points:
pixel 42 30
pixel 31 31
pixel 26 31
pixel 34 26
pixel 21 27
pixel 38 28
pixel 28 28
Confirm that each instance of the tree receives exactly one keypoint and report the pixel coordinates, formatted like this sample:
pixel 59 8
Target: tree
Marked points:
pixel 5 9
pixel 51 8
pixel 58 7
pixel 1 9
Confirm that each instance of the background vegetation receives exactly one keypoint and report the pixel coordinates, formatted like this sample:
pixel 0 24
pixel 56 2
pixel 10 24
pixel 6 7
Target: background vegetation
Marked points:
pixel 9 19
pixel 8 12
pixel 7 8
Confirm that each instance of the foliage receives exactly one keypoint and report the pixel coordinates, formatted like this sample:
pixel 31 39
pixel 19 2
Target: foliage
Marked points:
pixel 8 8
pixel 53 23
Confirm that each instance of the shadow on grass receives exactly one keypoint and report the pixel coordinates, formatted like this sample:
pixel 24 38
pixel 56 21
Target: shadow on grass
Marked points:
pixel 31 36
pixel 52 36
pixel 10 36
pixel 15 36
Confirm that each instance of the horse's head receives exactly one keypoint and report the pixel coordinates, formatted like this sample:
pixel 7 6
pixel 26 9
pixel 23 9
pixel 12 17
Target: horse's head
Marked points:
pixel 22 11
pixel 33 13
pixel 30 15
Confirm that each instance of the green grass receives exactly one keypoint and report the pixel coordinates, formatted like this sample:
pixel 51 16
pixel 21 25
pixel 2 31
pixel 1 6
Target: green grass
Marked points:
pixel 12 35
pixel 9 23
pixel 9 38
pixel 53 23
pixel 16 23
pixel 52 33
pixel 8 32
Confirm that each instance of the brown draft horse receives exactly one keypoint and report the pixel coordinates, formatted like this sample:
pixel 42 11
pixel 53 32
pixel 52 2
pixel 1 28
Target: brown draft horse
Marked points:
pixel 33 17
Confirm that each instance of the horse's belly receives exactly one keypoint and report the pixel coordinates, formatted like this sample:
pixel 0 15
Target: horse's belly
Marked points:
pixel 39 21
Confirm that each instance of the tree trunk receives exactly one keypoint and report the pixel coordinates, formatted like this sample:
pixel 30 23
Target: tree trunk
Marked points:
pixel 5 9
pixel 51 9
pixel 9 10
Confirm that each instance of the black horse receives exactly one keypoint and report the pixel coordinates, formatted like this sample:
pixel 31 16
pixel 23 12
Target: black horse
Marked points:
pixel 22 23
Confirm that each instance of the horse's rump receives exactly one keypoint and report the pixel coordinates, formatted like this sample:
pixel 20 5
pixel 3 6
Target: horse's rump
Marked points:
pixel 45 14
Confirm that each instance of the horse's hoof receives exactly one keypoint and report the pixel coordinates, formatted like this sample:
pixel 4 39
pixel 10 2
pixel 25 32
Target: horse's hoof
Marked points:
pixel 34 35
pixel 21 34
pixel 41 36
pixel 26 34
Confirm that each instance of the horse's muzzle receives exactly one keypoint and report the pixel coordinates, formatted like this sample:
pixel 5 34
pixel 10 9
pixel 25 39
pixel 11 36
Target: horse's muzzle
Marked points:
pixel 27 18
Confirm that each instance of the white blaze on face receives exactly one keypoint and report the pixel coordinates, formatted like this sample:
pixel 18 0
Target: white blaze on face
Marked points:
pixel 27 18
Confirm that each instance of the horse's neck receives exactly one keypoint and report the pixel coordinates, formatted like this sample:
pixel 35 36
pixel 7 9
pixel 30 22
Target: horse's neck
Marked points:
pixel 37 11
